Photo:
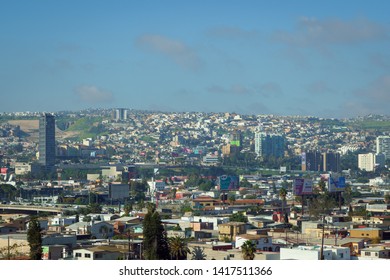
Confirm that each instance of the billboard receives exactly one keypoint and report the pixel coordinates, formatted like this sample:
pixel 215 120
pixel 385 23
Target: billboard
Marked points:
pixel 118 191
pixel 336 184
pixel 228 182
pixel 303 186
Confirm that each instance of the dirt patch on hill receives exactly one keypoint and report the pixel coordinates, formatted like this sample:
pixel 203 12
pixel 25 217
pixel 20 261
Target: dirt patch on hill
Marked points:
pixel 31 127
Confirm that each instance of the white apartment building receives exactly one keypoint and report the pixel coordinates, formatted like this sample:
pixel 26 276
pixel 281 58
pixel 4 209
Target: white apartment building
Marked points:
pixel 369 161
pixel 383 145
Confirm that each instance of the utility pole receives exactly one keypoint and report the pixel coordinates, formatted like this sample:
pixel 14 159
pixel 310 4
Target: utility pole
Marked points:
pixel 322 240
pixel 9 250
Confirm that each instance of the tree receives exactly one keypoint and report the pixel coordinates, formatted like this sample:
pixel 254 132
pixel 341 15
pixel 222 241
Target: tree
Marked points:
pixel 198 254
pixel 178 248
pixel 155 242
pixel 94 208
pixel 238 217
pixel 34 239
pixel 387 198
pixel 321 204
pixel 232 199
pixel 10 252
pixel 248 250
pixel 283 194
pixel 127 208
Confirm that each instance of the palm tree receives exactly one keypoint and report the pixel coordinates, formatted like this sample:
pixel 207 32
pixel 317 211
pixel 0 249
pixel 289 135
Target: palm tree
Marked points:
pixel 178 248
pixel 283 194
pixel 387 198
pixel 248 250
pixel 198 254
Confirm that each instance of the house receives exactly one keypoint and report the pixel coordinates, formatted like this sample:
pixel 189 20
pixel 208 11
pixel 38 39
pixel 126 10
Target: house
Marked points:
pixel 304 253
pixel 8 228
pixel 68 240
pixel 366 232
pixel 99 253
pixel 18 221
pixel 229 231
pixel 202 202
pixel 94 229
pixel 354 244
pixel 261 242
pixel 374 253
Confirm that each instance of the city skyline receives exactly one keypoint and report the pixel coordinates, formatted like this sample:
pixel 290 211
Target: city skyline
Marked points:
pixel 325 59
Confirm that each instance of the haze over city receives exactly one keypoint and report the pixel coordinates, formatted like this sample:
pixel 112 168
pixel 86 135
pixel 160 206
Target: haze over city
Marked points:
pixel 321 58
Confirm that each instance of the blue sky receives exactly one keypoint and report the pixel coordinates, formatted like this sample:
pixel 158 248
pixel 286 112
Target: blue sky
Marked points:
pixel 317 58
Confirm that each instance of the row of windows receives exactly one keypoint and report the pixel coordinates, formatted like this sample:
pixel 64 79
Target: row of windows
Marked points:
pixel 86 255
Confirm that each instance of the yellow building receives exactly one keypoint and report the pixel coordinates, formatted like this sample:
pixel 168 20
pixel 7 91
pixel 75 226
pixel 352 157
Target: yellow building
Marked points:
pixel 231 230
pixel 371 233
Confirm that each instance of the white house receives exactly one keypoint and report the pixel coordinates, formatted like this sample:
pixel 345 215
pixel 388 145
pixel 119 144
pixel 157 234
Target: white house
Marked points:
pixel 62 221
pixel 98 253
pixel 95 229
pixel 262 242
pixel 374 253
pixel 305 253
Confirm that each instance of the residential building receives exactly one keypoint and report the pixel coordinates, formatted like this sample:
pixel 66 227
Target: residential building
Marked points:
pixel 374 253
pixel 370 161
pixel 230 230
pixel 120 114
pixel 269 144
pixel 99 253
pixel 261 242
pixel 331 162
pixel 368 233
pixel 47 142
pixel 312 161
pixel 383 146
pixel 314 253
pixel 316 161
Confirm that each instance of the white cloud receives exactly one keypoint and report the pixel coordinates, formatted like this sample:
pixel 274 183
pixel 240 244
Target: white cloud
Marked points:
pixel 235 89
pixel 265 90
pixel 312 32
pixel 372 99
pixel 93 95
pixel 319 87
pixel 377 91
pixel 269 89
pixel 233 33
pixel 175 50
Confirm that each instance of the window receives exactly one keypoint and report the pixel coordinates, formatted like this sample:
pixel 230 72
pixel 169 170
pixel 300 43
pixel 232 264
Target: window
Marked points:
pixel 341 255
pixel 98 256
pixel 367 254
pixel 78 255
pixel 87 255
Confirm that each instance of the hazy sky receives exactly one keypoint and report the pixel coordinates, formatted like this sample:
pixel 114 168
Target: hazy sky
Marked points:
pixel 320 58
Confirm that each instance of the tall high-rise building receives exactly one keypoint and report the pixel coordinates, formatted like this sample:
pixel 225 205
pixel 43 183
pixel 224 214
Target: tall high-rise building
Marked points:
pixel 316 161
pixel 47 141
pixel 331 162
pixel 383 146
pixel 120 114
pixel 312 161
pixel 370 161
pixel 269 144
